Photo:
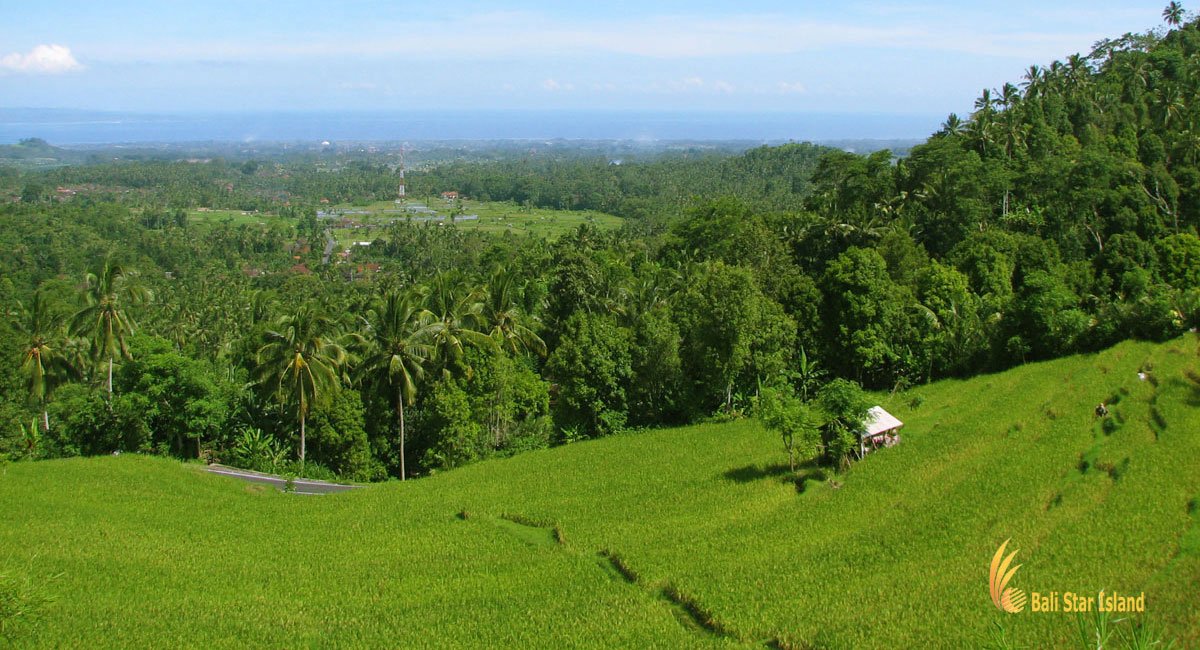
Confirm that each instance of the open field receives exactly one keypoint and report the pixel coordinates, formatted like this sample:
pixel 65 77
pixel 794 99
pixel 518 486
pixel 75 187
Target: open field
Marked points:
pixel 235 217
pixel 714 545
pixel 494 217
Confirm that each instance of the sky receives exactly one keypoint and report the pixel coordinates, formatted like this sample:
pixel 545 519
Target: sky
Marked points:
pixel 865 57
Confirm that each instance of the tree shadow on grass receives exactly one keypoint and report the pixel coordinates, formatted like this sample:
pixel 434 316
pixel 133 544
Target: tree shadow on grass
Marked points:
pixel 751 473
pixel 1191 387
pixel 781 471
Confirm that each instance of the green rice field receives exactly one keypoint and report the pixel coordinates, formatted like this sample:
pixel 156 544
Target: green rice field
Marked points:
pixel 675 538
pixel 235 217
pixel 493 217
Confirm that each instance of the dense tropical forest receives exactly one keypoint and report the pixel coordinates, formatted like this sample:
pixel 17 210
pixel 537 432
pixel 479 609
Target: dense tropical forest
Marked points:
pixel 1060 216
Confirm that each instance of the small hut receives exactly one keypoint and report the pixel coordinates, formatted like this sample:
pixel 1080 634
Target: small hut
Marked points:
pixel 880 429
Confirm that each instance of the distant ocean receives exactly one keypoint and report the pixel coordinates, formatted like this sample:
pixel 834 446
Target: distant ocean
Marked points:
pixel 71 127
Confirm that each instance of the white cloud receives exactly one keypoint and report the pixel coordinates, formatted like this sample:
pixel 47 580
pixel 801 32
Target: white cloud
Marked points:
pixel 661 37
pixel 553 85
pixel 722 87
pixel 791 87
pixel 43 59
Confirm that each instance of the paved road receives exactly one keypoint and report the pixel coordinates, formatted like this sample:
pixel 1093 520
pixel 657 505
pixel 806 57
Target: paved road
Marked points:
pixel 302 486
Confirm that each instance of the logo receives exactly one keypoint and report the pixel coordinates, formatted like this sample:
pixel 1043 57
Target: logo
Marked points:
pixel 1009 599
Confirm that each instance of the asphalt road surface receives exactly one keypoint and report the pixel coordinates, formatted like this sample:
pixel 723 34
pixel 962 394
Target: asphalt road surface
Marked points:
pixel 301 485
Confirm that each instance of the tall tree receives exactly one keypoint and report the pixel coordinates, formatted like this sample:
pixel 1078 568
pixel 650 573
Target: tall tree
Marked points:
pixel 455 307
pixel 502 317
pixel 301 362
pixel 1173 14
pixel 781 411
pixel 104 319
pixel 43 362
pixel 396 334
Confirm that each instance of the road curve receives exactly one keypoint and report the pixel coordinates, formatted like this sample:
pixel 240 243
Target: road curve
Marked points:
pixel 301 485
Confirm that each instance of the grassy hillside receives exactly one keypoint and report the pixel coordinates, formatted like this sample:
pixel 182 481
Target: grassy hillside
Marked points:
pixel 708 541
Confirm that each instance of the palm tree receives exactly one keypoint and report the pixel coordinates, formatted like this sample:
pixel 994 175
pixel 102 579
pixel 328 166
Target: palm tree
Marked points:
pixel 300 363
pixel 653 288
pixel 396 333
pixel 1173 14
pixel 455 308
pixel 502 317
pixel 985 102
pixel 979 128
pixel 1077 68
pixel 1009 96
pixel 953 125
pixel 45 365
pixel 103 320
pixel 1172 103
pixel 1032 81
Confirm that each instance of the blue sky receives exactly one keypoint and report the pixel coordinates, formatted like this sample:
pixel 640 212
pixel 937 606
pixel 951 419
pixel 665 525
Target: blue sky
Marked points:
pixel 916 58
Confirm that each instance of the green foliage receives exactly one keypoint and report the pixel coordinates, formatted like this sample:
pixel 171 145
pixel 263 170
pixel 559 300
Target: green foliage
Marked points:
pixel 732 335
pixel 300 363
pixel 955 336
pixel 508 399
pixel 782 412
pixel 104 319
pixel 1047 314
pixel 91 423
pixel 873 329
pixel 656 394
pixel 1179 260
pixel 1096 630
pixel 592 367
pixel 771 177
pixel 182 401
pixel 255 450
pixel 338 437
pixel 1144 635
pixel 460 439
pixel 844 407
pixel 396 346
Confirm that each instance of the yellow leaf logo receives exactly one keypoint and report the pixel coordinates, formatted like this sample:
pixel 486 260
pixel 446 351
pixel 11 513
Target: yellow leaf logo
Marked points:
pixel 1007 598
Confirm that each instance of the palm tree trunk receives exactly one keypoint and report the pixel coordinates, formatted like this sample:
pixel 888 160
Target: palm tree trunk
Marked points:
pixel 110 366
pixel 45 420
pixel 302 414
pixel 400 412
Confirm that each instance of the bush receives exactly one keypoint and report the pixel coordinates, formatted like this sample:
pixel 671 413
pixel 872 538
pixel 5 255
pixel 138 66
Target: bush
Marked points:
pixel 529 435
pixel 337 438
pixel 459 438
pixel 89 424
pixel 255 450
pixel 845 406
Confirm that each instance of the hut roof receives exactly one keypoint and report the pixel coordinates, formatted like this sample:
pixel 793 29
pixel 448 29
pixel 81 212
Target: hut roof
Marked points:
pixel 879 421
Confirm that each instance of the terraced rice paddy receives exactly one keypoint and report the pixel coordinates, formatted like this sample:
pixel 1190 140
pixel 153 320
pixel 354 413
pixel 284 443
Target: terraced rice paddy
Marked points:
pixel 689 537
